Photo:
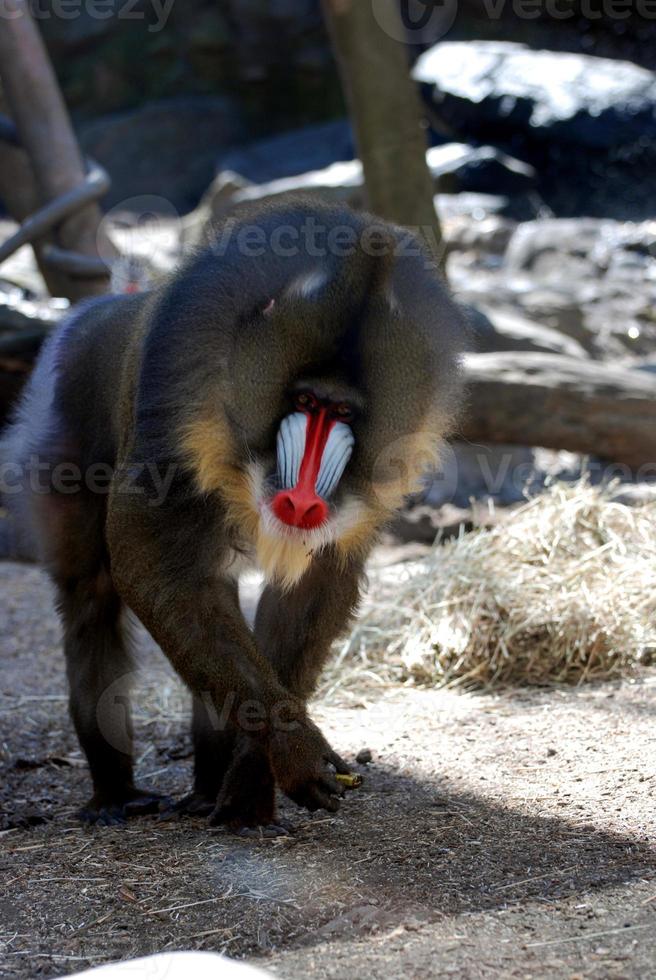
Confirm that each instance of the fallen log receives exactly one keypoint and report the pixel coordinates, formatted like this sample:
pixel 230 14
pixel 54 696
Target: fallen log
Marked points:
pixel 563 403
pixel 529 399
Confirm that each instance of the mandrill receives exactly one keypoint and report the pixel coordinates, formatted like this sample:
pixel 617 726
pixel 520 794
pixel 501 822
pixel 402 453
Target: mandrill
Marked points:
pixel 272 402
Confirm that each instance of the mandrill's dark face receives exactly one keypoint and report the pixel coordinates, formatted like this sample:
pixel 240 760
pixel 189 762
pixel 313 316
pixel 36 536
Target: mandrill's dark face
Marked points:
pixel 329 388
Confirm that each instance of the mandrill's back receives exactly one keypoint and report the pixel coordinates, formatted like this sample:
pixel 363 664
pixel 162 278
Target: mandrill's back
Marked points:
pixel 69 413
pixel 73 399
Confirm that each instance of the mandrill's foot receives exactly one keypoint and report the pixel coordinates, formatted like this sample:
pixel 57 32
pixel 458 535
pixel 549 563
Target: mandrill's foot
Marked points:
pixel 192 805
pixel 113 809
pixel 247 796
pixel 246 805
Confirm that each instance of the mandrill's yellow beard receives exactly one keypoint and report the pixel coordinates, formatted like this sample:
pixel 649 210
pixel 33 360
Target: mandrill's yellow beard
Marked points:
pixel 282 561
pixel 283 552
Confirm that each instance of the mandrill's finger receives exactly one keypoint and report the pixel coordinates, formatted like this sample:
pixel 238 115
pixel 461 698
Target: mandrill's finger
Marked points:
pixel 336 760
pixel 325 797
pixel 313 797
pixel 330 784
pixel 329 803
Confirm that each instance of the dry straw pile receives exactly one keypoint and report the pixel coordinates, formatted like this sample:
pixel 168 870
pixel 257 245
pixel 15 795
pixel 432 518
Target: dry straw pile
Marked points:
pixel 563 590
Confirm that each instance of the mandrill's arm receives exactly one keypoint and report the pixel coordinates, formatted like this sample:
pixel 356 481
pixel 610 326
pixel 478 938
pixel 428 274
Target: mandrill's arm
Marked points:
pixel 165 563
pixel 296 628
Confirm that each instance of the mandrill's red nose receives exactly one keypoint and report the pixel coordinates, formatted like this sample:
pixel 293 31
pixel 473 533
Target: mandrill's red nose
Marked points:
pixel 298 509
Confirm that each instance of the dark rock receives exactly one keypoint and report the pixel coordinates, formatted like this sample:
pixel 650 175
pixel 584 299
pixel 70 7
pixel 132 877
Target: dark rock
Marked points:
pixel 166 148
pixel 479 169
pixel 364 756
pixel 69 33
pixel 587 124
pixel 451 165
pixel 594 102
pixel 294 152
pixel 420 525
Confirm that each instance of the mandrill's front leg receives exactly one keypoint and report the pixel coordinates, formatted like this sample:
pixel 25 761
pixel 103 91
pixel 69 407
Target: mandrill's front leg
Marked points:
pixel 294 630
pixel 194 615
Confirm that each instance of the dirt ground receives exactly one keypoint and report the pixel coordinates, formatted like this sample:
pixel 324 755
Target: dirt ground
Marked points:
pixel 506 835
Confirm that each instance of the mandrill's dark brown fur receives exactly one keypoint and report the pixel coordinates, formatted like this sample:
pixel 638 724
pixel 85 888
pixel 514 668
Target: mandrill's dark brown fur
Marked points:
pixel 164 410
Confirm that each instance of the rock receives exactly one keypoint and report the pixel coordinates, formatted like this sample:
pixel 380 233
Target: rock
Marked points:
pixel 358 921
pixel 451 166
pixel 518 207
pixel 394 548
pixel 559 310
pixel 70 33
pixel 575 98
pixel 364 757
pixel 420 525
pixel 338 182
pixel 560 237
pixel 594 280
pixel 587 124
pixel 481 169
pixel 295 152
pixel 489 235
pixel 496 330
pixel 196 227
pixel 166 148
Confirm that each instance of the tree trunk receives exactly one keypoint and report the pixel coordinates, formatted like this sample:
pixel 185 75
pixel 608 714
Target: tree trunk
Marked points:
pixel 37 108
pixel 563 403
pixel 386 114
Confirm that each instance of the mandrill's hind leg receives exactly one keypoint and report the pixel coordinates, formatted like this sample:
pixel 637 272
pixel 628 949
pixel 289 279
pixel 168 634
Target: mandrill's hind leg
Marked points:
pixel 213 749
pixel 99 669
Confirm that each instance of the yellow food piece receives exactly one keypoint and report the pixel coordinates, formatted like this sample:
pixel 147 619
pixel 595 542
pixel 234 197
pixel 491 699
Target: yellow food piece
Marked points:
pixel 350 781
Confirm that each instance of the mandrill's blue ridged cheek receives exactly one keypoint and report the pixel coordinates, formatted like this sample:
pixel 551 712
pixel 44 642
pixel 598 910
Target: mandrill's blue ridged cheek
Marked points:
pixel 290 449
pixel 336 455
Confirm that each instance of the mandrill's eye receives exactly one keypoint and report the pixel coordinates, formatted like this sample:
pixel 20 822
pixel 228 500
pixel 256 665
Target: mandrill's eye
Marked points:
pixel 305 402
pixel 343 412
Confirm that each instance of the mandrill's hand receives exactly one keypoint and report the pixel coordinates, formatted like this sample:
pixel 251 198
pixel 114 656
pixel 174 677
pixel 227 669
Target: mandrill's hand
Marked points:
pixel 300 758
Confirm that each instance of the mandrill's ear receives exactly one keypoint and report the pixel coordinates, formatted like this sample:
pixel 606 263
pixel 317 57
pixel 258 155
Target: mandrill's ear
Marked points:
pixel 365 271
pixel 382 248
